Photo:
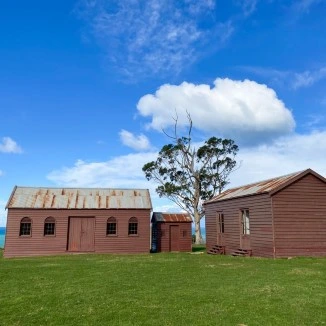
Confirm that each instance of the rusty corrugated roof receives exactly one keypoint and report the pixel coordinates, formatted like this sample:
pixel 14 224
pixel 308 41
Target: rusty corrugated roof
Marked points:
pixel 265 186
pixel 168 217
pixel 79 198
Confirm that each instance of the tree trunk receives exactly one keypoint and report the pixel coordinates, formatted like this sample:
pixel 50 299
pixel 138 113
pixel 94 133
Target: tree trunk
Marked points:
pixel 199 239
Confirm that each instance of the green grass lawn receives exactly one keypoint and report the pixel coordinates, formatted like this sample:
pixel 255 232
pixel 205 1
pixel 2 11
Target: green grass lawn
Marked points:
pixel 162 289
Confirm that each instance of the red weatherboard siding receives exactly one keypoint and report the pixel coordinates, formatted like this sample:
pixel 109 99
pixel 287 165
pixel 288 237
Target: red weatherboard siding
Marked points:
pixel 184 243
pixel 300 218
pixel 37 244
pixel 289 222
pixel 261 231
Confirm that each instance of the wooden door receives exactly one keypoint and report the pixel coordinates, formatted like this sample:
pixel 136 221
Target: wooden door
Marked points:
pixel 245 229
pixel 174 237
pixel 81 234
pixel 220 228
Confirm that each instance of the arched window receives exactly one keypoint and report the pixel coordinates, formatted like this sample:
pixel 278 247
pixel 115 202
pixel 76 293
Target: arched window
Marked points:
pixel 133 226
pixel 111 226
pixel 25 227
pixel 49 226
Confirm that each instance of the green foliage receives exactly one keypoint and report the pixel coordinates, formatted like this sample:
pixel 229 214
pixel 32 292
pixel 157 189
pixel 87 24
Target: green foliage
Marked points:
pixel 162 289
pixel 189 176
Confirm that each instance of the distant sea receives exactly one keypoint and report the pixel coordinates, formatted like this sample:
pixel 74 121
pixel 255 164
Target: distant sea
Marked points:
pixel 2 237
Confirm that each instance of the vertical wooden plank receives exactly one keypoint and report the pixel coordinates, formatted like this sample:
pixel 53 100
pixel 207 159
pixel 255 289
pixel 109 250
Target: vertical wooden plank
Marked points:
pixel 174 237
pixel 87 234
pixel 74 234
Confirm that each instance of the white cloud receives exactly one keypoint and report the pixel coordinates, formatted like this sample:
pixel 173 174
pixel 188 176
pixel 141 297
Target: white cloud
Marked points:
pixel 8 145
pixel 225 31
pixel 148 37
pixel 274 76
pixel 169 207
pixel 248 6
pixel 291 79
pixel 285 155
pixel 305 5
pixel 308 78
pixel 119 172
pixel 138 143
pixel 243 110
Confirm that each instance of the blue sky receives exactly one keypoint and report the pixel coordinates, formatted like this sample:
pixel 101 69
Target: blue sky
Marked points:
pixel 87 86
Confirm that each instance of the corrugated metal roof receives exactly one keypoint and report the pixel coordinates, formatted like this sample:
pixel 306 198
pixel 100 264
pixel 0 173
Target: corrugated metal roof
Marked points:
pixel 168 217
pixel 79 198
pixel 265 186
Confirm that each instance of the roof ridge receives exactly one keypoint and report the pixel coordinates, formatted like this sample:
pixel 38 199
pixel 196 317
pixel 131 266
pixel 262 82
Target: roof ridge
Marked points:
pixel 266 180
pixel 100 188
pixel 264 186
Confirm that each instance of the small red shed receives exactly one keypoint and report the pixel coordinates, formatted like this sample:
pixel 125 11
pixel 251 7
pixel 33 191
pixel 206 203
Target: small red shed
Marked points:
pixel 171 232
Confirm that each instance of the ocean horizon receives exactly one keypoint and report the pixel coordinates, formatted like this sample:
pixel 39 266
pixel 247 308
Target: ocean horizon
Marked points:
pixel 2 236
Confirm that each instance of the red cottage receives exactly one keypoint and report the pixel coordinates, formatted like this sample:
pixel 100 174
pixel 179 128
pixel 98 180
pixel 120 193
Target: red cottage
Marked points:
pixel 280 217
pixel 50 221
pixel 171 232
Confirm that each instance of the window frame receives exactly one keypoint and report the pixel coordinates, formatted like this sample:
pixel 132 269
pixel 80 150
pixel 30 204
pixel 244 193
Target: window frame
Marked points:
pixel 112 220
pixel 133 221
pixel 245 221
pixel 52 221
pixel 30 227
pixel 221 223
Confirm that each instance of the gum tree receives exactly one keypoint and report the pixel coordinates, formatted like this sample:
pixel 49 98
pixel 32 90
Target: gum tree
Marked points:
pixel 188 175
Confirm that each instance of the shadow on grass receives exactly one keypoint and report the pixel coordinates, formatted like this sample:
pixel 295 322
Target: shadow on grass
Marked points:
pixel 196 248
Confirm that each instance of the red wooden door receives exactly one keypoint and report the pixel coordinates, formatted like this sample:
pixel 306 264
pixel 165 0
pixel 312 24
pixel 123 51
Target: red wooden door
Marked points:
pixel 244 229
pixel 81 234
pixel 174 237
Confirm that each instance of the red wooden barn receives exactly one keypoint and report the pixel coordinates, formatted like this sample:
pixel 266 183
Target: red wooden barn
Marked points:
pixel 280 217
pixel 171 232
pixel 47 221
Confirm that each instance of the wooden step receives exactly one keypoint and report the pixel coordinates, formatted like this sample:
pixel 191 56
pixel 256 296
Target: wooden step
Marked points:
pixel 242 253
pixel 216 250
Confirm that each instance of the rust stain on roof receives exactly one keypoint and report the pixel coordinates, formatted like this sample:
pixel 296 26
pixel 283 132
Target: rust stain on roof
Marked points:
pixel 79 198
pixel 256 188
pixel 168 217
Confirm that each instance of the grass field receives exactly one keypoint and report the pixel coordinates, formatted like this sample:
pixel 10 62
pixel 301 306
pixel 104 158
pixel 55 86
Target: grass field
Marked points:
pixel 162 289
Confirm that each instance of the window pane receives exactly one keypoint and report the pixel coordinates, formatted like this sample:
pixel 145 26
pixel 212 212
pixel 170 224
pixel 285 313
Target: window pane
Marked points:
pixel 111 228
pixel 49 228
pixel 25 229
pixel 133 228
pixel 245 222
pixel 222 223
